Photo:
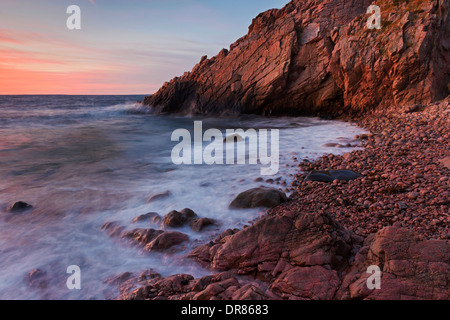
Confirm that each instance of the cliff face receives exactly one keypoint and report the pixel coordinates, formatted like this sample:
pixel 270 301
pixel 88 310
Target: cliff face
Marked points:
pixel 314 57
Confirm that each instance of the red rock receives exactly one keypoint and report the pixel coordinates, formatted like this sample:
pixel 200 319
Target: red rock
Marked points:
pixel 412 268
pixel 166 241
pixel 259 197
pixel 307 239
pixel 315 283
pixel 322 55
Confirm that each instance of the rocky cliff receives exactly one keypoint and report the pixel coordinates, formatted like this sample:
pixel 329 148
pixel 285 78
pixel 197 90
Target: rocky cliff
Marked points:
pixel 319 57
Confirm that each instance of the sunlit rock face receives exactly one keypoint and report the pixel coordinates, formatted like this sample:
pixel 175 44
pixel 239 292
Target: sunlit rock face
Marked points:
pixel 314 57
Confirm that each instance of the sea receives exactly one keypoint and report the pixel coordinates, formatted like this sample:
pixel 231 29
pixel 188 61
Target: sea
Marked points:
pixel 83 161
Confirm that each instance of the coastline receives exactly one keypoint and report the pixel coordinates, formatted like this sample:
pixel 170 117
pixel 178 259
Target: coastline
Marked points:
pixel 319 244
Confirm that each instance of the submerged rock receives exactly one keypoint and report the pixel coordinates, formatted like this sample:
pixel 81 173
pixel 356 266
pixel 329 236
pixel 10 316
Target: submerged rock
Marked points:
pixel 160 196
pixel 175 219
pixel 38 279
pixel 151 217
pixel 19 206
pixel 149 239
pixel 166 240
pixel 259 197
pixel 199 224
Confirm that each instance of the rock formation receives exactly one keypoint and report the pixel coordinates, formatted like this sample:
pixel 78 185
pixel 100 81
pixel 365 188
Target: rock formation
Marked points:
pixel 319 57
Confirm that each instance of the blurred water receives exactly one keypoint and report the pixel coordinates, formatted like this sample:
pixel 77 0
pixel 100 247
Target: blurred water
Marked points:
pixel 82 161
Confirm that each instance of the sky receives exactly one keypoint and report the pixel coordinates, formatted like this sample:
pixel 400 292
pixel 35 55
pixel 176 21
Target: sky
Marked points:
pixel 123 46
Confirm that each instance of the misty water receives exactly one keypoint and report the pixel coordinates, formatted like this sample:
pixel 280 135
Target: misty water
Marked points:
pixel 82 161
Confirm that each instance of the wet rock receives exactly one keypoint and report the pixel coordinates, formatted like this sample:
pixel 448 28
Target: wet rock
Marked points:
pixel 259 197
pixel 166 240
pixel 314 283
pixel 332 175
pixel 233 138
pixel 333 145
pixel 113 229
pixel 175 219
pixel 151 217
pixel 199 224
pixel 19 206
pixel 175 284
pixel 149 239
pixel 249 292
pixel 215 289
pixel 141 237
pixel 38 279
pixel 160 196
pixel 412 268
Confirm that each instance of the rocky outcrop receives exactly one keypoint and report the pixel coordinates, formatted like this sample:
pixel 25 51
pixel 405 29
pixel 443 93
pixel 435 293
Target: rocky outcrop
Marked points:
pixel 148 239
pixel 276 244
pixel 152 286
pixel 305 256
pixel 314 57
pixel 411 267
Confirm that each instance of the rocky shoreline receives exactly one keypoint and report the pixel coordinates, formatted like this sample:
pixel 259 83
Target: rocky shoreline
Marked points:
pixel 385 206
pixel 319 244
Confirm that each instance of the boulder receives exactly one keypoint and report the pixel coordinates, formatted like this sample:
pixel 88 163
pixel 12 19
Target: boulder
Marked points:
pixel 151 217
pixel 259 197
pixel 314 283
pixel 19 206
pixel 159 196
pixel 166 240
pixel 149 239
pixel 412 268
pixel 141 237
pixel 38 279
pixel 308 239
pixel 175 219
pixel 198 225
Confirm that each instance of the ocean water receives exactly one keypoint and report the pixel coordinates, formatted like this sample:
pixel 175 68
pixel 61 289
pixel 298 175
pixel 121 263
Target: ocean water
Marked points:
pixel 82 161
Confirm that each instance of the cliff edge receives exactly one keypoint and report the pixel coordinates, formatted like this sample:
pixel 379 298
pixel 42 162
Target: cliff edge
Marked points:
pixel 319 57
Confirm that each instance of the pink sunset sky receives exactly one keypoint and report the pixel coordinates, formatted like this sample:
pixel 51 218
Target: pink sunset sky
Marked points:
pixel 123 47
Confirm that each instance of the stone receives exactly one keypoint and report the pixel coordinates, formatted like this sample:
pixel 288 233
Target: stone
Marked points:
pixel 151 216
pixel 19 206
pixel 166 240
pixel 198 225
pixel 175 219
pixel 38 279
pixel 159 196
pixel 314 283
pixel 308 239
pixel 259 197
